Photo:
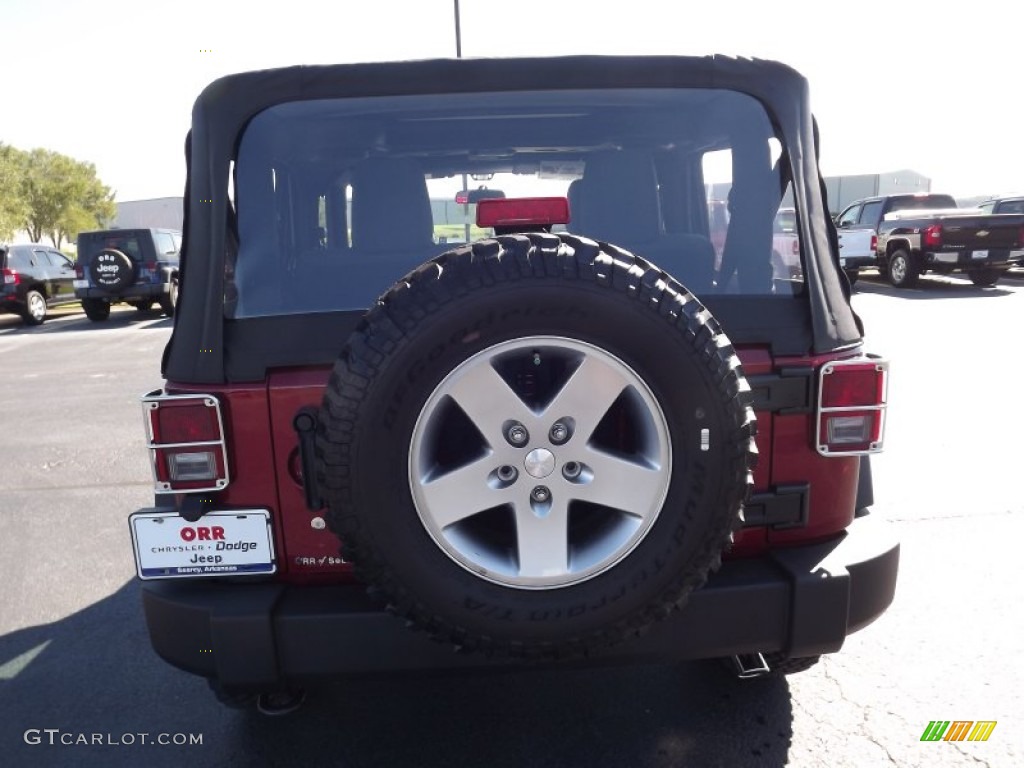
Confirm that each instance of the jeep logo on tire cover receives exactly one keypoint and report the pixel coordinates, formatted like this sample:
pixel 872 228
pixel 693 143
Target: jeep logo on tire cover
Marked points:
pixel 107 270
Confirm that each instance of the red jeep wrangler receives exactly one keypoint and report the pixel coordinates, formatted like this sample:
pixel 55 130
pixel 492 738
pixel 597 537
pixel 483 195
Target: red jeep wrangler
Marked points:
pixel 454 352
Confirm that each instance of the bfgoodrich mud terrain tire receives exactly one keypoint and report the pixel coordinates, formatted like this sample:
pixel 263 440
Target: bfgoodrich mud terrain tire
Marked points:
pixel 535 445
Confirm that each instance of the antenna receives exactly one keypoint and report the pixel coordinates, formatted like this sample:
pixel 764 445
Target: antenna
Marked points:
pixel 458 32
pixel 458 55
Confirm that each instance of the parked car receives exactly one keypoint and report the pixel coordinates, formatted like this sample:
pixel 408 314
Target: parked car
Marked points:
pixel 35 278
pixel 914 234
pixel 1003 205
pixel 858 226
pixel 984 247
pixel 785 239
pixel 136 266
pixel 786 246
pixel 539 446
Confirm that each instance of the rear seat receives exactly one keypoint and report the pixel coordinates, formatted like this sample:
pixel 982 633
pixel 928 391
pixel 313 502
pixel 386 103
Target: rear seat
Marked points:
pixel 617 202
pixel 392 233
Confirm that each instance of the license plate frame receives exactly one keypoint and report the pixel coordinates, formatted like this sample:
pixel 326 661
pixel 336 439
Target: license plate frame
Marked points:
pixel 243 540
pixel 979 254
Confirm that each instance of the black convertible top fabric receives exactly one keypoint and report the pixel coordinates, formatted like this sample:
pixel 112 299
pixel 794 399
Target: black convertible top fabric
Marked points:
pixel 224 108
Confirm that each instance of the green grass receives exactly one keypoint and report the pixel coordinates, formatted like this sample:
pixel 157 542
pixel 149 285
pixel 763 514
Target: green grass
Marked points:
pixel 458 232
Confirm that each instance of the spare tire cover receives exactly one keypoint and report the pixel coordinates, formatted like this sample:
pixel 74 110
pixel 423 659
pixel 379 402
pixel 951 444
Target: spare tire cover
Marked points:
pixel 112 270
pixel 535 445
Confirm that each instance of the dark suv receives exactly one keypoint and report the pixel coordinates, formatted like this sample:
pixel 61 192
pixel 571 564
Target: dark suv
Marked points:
pixel 137 266
pixel 35 278
pixel 584 437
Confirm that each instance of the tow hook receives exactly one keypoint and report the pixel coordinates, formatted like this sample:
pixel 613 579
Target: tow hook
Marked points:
pixel 280 703
pixel 750 665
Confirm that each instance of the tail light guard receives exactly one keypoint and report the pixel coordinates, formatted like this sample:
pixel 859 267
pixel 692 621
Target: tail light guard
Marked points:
pixel 851 405
pixel 186 442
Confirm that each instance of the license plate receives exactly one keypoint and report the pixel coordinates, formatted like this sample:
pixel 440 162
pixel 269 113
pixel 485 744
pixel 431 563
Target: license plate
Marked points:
pixel 979 254
pixel 80 283
pixel 220 544
pixel 842 262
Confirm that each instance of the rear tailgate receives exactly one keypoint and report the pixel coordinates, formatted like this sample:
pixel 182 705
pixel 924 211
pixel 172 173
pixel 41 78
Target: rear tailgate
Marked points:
pixel 994 232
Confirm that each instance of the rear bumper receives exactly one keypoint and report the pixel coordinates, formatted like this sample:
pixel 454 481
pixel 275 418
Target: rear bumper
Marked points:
pixel 11 302
pixel 965 260
pixel 803 601
pixel 143 291
pixel 857 262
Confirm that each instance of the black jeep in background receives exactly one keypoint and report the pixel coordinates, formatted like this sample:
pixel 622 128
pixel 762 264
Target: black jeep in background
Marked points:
pixel 137 266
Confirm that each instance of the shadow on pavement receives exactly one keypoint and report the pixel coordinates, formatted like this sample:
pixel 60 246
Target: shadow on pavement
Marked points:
pixel 65 322
pixel 689 714
pixel 932 287
pixel 95 673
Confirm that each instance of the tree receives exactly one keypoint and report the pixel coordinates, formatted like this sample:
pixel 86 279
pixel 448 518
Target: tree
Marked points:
pixel 62 196
pixel 12 203
pixel 92 207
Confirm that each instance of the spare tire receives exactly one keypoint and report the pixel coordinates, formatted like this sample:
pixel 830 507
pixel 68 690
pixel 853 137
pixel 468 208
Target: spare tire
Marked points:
pixel 535 446
pixel 112 270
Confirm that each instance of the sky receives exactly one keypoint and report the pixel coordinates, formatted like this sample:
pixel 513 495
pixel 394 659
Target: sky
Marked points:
pixel 900 84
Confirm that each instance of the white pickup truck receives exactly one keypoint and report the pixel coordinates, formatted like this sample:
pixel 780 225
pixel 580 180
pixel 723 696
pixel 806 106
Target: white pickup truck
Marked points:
pixel 856 251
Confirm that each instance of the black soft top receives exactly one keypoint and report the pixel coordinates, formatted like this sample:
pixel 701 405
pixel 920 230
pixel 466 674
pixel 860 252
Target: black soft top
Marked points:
pixel 225 107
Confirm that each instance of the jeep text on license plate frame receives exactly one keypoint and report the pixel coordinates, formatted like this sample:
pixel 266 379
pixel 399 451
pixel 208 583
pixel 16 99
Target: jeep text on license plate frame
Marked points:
pixel 235 543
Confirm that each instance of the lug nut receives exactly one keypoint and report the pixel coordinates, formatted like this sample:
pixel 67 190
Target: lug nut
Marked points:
pixel 507 473
pixel 540 494
pixel 571 470
pixel 559 433
pixel 517 435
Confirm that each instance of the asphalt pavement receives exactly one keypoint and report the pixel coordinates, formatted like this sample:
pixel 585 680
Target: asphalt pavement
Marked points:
pixel 76 665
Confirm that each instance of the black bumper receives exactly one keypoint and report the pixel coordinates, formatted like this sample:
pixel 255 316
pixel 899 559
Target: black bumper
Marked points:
pixel 858 262
pixel 142 291
pixel 803 601
pixel 963 261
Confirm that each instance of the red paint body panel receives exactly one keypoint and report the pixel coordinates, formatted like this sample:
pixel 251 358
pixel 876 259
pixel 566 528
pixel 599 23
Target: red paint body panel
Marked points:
pixel 833 480
pixel 259 437
pixel 262 445
pixel 250 453
pixel 312 555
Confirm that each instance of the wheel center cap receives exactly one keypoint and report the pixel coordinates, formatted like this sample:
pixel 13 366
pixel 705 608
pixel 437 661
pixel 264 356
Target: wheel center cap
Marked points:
pixel 540 462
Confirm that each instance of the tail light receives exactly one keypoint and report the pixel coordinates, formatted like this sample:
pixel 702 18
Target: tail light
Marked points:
pixel 932 236
pixel 11 277
pixel 874 243
pixel 796 247
pixel 147 273
pixel 79 272
pixel 851 406
pixel 186 442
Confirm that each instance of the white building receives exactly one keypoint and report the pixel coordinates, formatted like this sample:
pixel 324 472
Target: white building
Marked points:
pixel 160 212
